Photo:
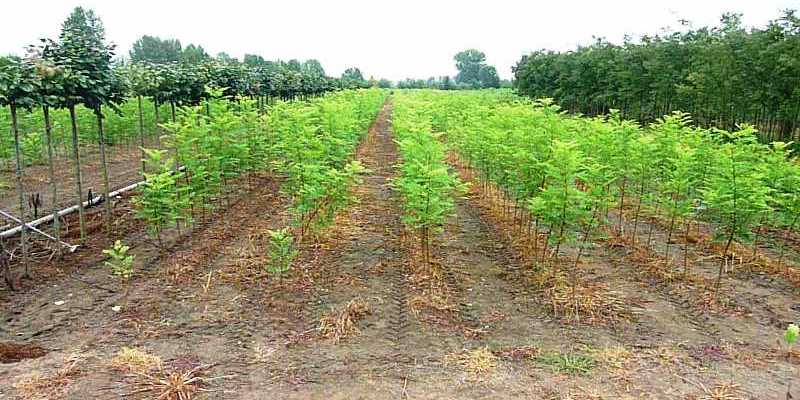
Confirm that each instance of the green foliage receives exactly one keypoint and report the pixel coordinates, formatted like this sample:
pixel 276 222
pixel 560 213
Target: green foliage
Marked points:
pixel 86 59
pixel 120 262
pixel 791 334
pixel 473 71
pixel 561 205
pixel 735 195
pixel 570 171
pixel 155 50
pixel 281 251
pixel 568 363
pixel 161 202
pixel 425 183
pixel 724 75
pixel 19 83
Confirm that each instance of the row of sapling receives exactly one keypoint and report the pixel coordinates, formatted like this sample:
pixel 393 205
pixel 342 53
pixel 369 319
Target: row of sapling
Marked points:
pixel 425 182
pixel 218 148
pixel 670 173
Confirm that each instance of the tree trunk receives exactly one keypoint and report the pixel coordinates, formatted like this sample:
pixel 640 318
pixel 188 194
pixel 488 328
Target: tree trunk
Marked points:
pixel 76 157
pixel 103 166
pixel 158 128
pixel 23 238
pixel 52 170
pixel 141 134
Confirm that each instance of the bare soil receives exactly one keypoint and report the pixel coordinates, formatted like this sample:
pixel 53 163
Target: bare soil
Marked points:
pixel 469 325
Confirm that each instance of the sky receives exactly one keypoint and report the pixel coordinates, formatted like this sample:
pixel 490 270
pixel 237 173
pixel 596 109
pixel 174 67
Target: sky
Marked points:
pixel 385 39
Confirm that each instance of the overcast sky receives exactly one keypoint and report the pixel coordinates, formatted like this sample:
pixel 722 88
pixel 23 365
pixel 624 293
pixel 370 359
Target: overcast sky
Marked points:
pixel 389 39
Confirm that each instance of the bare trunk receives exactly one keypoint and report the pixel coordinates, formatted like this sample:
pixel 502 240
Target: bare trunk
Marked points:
pixel 103 166
pixel 20 189
pixel 76 157
pixel 53 186
pixel 141 133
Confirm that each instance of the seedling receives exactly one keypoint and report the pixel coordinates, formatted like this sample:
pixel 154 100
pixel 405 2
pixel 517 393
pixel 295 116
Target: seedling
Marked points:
pixel 281 251
pixel 120 262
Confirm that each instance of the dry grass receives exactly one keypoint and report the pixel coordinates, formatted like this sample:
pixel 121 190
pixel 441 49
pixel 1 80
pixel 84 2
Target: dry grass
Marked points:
pixel 613 358
pixel 48 386
pixel 518 353
pixel 343 323
pixel 172 384
pixel 480 361
pixel 588 303
pixel 132 360
pixel 720 391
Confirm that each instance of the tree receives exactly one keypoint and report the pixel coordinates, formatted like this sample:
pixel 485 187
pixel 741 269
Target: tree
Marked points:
pixel 224 57
pixel 294 65
pixel 18 89
pixel 722 75
pixel 313 67
pixel 469 63
pixel 253 60
pixel 194 54
pixel 384 83
pixel 353 74
pixel 156 50
pixel 81 48
pixel 488 77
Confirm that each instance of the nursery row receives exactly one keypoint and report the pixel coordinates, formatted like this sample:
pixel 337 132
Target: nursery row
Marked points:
pixel 425 183
pixel 575 174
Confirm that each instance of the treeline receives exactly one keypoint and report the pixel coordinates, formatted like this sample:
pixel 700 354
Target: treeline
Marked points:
pixel 252 76
pixel 473 73
pixel 722 75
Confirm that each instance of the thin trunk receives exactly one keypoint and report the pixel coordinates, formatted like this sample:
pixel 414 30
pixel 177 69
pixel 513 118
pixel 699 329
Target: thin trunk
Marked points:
pixel 20 190
pixel 722 264
pixel 104 166
pixel 53 186
pixel 76 157
pixel 141 134
pixel 158 119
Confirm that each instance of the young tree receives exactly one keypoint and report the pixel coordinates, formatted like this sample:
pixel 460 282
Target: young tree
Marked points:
pixel 19 87
pixel 735 195
pixel 88 79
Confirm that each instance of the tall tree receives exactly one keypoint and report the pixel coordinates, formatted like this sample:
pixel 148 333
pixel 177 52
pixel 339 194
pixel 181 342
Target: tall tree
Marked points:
pixel 469 63
pixel 81 49
pixel 253 60
pixel 313 67
pixel 488 77
pixel 156 50
pixel 194 54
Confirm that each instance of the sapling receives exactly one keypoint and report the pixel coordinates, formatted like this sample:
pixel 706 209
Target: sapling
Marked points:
pixel 676 187
pixel 281 251
pixel 561 205
pixel 159 202
pixel 120 262
pixel 735 194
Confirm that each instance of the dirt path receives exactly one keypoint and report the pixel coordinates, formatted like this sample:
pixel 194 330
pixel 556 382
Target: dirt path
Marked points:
pixel 124 168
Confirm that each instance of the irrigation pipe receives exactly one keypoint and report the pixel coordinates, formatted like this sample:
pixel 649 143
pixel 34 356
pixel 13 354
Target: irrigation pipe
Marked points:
pixel 69 210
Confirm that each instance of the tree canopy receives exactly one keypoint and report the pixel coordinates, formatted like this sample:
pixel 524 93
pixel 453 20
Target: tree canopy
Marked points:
pixel 722 75
pixel 156 50
pixel 473 70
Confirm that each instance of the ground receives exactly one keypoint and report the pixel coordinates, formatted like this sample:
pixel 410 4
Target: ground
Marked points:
pixel 360 316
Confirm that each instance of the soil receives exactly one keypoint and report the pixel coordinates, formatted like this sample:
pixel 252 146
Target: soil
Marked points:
pixel 469 325
pixel 124 168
